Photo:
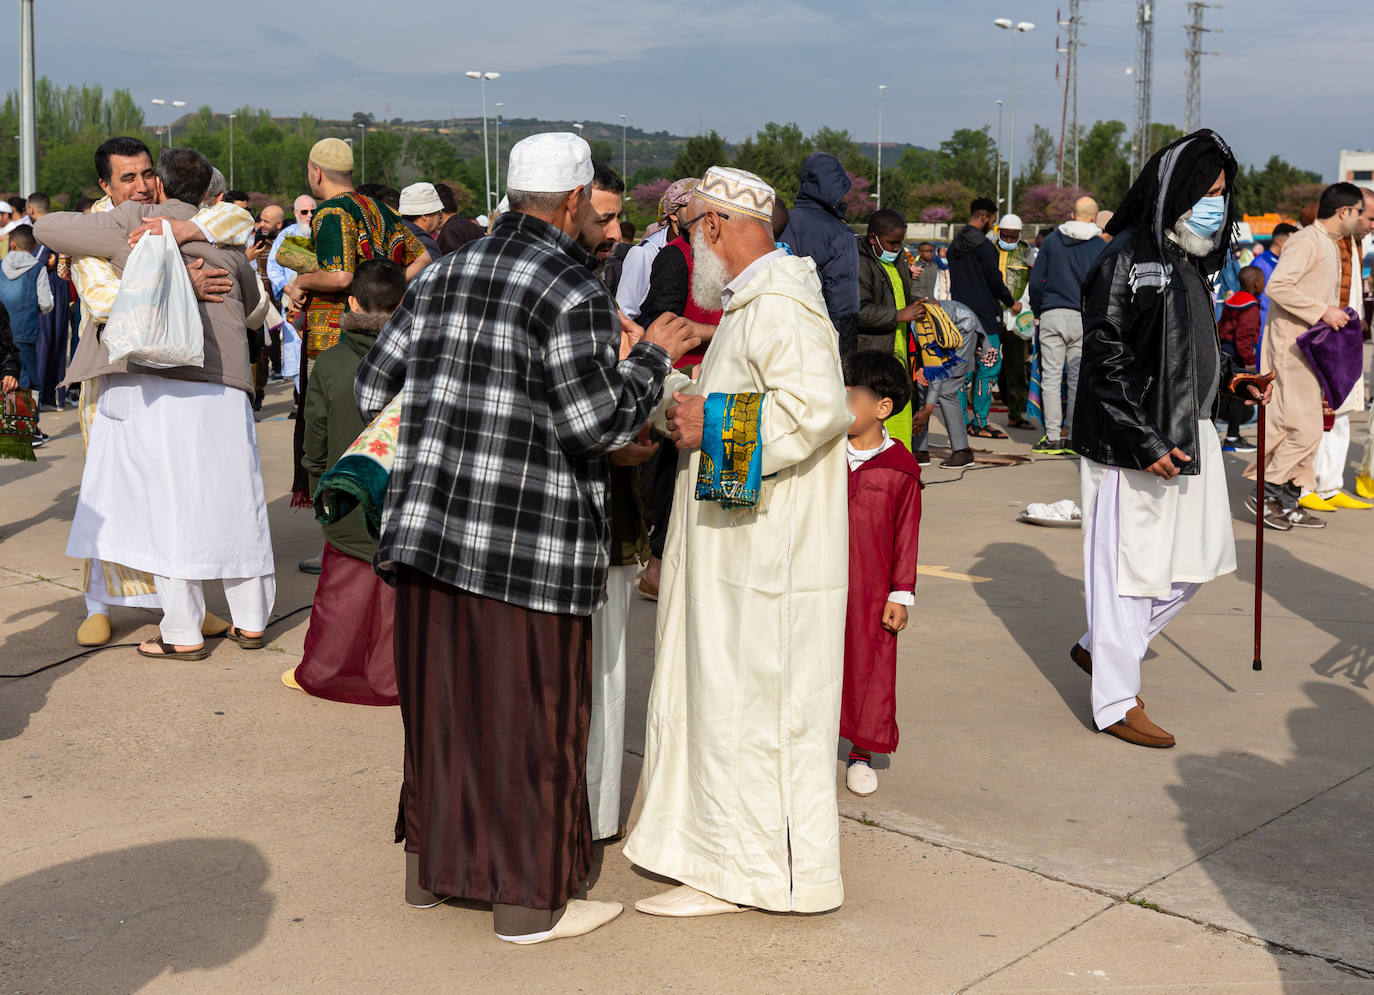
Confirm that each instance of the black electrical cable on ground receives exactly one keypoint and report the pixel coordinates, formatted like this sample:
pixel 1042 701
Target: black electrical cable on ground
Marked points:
pixel 116 646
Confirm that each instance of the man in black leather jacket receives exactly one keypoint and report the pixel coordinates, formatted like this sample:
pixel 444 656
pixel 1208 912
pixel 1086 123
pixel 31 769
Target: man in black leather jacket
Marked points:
pixel 1156 514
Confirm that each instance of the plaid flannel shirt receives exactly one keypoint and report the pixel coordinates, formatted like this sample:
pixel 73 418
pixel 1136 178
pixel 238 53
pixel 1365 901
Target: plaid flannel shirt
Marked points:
pixel 505 353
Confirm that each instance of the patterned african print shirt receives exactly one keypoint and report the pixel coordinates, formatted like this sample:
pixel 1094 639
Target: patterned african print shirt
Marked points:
pixel 349 229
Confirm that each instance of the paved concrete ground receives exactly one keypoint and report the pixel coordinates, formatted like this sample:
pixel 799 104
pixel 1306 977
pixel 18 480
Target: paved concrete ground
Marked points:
pixel 198 827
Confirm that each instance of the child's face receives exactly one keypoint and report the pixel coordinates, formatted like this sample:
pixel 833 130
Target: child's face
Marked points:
pixel 868 409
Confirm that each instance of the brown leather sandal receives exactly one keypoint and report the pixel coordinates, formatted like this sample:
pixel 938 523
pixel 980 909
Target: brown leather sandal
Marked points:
pixel 169 651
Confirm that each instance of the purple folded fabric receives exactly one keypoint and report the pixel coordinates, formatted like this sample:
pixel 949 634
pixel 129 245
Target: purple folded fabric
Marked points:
pixel 1336 356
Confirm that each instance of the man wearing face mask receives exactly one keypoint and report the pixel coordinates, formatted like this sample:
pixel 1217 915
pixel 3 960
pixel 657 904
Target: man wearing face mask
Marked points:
pixel 1014 262
pixel 887 301
pixel 1304 289
pixel 975 280
pixel 1156 515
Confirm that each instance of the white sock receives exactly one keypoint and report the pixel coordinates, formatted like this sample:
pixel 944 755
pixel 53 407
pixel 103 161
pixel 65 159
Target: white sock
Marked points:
pixel 94 607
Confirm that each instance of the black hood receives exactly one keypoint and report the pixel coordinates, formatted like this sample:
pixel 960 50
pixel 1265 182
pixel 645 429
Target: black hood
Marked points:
pixel 968 239
pixel 824 180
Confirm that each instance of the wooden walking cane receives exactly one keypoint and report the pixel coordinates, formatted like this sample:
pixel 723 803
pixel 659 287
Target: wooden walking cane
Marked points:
pixel 1260 383
pixel 1259 538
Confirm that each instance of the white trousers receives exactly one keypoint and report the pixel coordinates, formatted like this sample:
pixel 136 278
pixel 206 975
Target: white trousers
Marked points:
pixel 1332 453
pixel 1119 628
pixel 183 605
pixel 606 741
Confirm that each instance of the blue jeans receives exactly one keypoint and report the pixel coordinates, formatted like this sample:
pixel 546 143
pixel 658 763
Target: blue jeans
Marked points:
pixel 28 365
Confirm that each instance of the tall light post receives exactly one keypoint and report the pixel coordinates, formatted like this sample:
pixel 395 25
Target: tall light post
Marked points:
pixel 486 153
pixel 999 150
pixel 624 160
pixel 362 154
pixel 28 135
pixel 1019 27
pixel 499 105
pixel 881 88
pixel 169 104
pixel 231 150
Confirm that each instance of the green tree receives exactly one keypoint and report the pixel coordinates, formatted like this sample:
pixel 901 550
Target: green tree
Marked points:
pixel 1041 150
pixel 1259 191
pixel 1104 168
pixel 699 154
pixel 969 156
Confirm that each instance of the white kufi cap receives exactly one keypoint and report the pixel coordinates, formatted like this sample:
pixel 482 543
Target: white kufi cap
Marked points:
pixel 553 162
pixel 1012 221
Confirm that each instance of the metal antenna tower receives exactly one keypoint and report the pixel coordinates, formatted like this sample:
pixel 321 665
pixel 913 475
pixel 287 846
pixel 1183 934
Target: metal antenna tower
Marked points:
pixel 1144 59
pixel 1068 124
pixel 1192 118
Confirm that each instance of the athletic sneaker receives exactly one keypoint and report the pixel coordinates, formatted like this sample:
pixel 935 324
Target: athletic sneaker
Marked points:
pixel 39 438
pixel 1235 444
pixel 1046 447
pixel 922 457
pixel 1274 516
pixel 1301 518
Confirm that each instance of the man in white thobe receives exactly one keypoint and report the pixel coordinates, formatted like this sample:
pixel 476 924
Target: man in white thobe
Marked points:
pixel 739 796
pixel 173 484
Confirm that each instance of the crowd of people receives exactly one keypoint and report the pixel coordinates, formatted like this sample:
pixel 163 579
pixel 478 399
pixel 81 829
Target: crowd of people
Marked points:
pixel 511 431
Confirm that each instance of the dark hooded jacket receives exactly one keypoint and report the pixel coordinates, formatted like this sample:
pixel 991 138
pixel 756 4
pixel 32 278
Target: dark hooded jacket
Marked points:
pixel 1148 329
pixel 816 228
pixel 975 280
pixel 9 352
pixel 1061 266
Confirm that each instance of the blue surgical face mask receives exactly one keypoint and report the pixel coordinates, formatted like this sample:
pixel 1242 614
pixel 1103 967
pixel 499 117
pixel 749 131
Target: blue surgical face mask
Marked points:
pixel 1006 246
pixel 883 254
pixel 1208 214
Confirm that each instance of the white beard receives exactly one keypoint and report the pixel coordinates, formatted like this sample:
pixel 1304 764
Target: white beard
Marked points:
pixel 709 276
pixel 1190 241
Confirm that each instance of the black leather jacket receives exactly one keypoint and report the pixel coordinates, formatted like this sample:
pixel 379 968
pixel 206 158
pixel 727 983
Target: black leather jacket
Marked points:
pixel 1137 385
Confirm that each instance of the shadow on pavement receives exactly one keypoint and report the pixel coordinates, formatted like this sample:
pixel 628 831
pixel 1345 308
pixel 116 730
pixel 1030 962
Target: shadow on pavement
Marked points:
pixel 183 905
pixel 1307 591
pixel 1042 611
pixel 1301 878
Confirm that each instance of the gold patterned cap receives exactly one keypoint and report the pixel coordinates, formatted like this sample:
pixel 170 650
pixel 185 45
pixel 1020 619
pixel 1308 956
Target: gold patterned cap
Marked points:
pixel 736 191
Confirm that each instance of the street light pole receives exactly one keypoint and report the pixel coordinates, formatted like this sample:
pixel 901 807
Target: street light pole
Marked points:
pixel 881 88
pixel 624 160
pixel 999 150
pixel 482 78
pixel 499 105
pixel 1020 27
pixel 28 136
pixel 362 154
pixel 168 104
pixel 231 150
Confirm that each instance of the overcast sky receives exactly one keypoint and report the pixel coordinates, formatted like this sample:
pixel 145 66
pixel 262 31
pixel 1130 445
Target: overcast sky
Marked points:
pixel 731 65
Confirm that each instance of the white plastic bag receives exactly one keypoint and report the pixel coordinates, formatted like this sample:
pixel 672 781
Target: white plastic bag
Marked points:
pixel 155 320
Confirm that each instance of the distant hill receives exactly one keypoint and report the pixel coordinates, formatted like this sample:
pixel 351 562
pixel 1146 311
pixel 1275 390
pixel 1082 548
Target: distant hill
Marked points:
pixel 643 149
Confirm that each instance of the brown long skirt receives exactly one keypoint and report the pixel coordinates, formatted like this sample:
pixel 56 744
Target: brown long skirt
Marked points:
pixel 496 702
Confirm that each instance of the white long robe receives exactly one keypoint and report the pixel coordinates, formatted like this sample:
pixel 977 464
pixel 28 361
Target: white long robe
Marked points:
pixel 739 766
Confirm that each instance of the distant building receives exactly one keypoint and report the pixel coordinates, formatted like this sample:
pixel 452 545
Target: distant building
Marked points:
pixel 1356 166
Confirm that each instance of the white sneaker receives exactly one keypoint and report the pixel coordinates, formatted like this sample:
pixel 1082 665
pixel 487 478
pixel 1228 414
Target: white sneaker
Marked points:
pixel 861 779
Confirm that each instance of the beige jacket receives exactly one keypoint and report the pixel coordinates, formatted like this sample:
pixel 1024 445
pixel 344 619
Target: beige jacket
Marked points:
pixel 106 235
pixel 1304 284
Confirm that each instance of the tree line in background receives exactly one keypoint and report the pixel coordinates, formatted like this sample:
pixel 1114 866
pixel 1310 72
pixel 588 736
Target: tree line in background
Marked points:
pixel 925 184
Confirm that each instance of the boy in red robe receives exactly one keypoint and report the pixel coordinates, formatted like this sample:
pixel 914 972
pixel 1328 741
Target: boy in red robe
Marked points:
pixel 884 525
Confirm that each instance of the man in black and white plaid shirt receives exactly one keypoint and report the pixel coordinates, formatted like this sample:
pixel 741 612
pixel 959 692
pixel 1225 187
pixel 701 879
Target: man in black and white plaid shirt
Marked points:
pixel 517 379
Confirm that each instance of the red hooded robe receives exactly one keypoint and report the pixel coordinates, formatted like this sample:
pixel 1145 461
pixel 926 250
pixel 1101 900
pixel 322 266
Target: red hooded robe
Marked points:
pixel 884 526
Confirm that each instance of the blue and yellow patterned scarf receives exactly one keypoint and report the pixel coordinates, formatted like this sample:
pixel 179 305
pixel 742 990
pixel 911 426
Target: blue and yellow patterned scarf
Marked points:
pixel 731 453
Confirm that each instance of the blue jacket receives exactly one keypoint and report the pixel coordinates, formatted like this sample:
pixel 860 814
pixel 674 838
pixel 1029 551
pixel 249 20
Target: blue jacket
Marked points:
pixel 816 228
pixel 1064 262
pixel 19 293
